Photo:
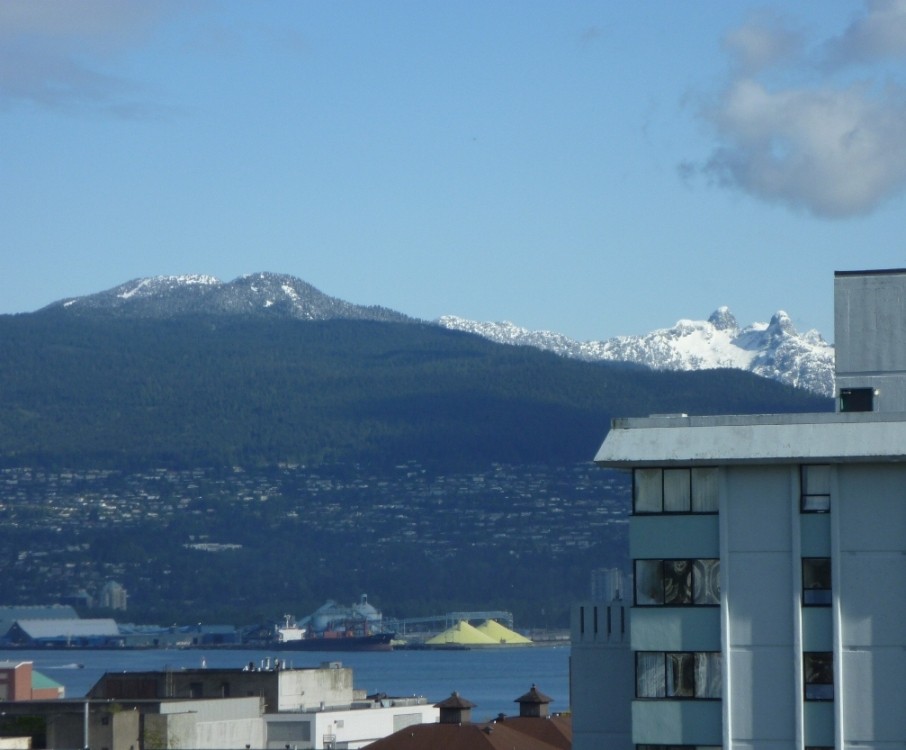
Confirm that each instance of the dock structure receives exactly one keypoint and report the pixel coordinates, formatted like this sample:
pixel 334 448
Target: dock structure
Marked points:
pixel 443 622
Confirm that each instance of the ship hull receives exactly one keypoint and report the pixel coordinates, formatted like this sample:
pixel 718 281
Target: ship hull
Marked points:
pixel 373 642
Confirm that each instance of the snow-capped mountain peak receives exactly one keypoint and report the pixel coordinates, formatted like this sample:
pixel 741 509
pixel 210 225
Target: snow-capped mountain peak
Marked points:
pixel 275 295
pixel 723 320
pixel 775 350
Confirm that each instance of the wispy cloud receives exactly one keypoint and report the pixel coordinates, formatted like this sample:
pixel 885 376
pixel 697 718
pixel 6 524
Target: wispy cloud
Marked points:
pixel 792 129
pixel 59 53
pixel 763 43
pixel 878 34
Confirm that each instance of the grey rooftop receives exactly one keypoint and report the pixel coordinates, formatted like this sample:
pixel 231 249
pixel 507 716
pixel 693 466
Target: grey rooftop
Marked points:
pixel 771 438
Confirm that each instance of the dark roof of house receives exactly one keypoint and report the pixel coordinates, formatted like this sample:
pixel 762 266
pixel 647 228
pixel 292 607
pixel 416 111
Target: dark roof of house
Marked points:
pixel 455 701
pixel 504 735
pixel 556 730
pixel 534 696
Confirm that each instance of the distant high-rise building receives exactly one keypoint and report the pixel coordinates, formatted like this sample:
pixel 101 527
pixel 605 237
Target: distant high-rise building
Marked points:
pixel 113 596
pixel 606 584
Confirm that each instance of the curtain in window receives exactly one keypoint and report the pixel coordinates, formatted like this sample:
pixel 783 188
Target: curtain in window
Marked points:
pixel 707 674
pixel 677 581
pixel 680 675
pixel 677 492
pixel 649 491
pixel 649 674
pixel 704 491
pixel 706 580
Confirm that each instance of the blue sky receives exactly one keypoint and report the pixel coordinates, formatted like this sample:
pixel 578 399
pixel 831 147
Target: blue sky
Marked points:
pixel 592 168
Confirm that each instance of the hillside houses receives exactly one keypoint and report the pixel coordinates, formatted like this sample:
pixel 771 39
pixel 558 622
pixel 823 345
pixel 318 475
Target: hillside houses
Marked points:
pixel 58 523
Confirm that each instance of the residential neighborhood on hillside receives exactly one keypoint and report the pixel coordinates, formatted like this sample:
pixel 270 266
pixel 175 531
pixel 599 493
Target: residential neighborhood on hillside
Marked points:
pixel 70 532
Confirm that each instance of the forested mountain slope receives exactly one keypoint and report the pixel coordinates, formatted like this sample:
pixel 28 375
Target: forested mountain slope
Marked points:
pixel 224 390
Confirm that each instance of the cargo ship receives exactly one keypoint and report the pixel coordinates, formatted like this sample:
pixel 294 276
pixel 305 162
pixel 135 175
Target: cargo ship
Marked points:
pixel 334 627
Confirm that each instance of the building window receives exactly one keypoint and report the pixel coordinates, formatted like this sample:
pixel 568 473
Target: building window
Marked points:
pixel 677 583
pixel 815 487
pixel 674 490
pixel 678 675
pixel 816 581
pixel 680 747
pixel 818 668
pixel 857 399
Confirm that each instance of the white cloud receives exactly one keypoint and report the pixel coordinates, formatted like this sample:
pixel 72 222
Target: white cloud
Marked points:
pixel 55 53
pixel 832 152
pixel 790 132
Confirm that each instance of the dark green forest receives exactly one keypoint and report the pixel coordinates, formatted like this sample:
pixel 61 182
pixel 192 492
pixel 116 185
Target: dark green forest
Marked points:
pixel 195 391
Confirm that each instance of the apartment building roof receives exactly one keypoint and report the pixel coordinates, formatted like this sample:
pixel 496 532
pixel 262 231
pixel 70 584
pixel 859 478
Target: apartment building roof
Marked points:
pixel 841 437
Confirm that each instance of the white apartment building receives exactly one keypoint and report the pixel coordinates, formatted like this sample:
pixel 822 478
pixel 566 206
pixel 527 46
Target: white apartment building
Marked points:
pixel 768 602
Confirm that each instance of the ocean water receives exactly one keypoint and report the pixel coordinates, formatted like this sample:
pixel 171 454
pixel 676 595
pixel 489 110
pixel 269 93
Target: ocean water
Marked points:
pixel 491 678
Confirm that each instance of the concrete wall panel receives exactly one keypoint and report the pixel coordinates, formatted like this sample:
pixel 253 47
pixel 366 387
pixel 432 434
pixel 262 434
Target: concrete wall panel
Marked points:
pixel 759 508
pixel 765 694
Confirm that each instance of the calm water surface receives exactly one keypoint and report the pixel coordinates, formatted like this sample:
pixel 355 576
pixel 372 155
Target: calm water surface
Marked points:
pixel 491 678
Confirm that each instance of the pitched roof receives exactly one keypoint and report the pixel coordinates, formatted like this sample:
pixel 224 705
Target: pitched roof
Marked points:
pixel 41 681
pixel 534 696
pixel 38 612
pixel 9 615
pixel 493 736
pixel 455 701
pixel 556 731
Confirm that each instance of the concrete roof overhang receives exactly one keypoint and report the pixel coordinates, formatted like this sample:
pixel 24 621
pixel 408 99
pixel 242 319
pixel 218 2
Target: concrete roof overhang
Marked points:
pixel 865 437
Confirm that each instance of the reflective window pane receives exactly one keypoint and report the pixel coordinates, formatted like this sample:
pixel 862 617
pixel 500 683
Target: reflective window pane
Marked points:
pixel 818 668
pixel 649 582
pixel 816 482
pixel 816 581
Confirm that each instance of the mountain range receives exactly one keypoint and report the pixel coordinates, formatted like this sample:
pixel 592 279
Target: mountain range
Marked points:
pixel 191 371
pixel 774 350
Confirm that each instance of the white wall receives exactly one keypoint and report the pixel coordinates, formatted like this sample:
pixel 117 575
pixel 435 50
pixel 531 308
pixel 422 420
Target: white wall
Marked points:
pixel 307 689
pixel 871 585
pixel 757 562
pixel 353 728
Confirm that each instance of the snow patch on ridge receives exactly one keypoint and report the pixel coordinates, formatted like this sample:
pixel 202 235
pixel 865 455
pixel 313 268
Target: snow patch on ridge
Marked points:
pixel 774 350
pixel 154 284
